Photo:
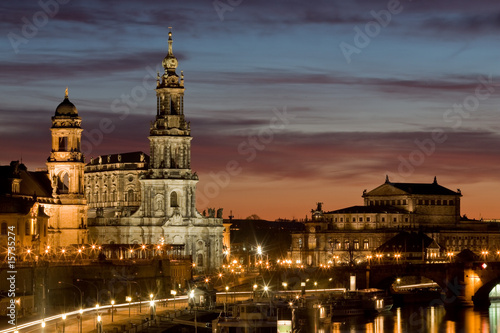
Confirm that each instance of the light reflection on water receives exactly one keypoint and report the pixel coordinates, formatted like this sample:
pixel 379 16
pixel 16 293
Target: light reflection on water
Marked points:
pixel 420 319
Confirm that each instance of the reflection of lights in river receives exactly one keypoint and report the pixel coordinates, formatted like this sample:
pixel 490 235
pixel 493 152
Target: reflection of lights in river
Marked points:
pixel 433 319
pixel 398 320
pixel 379 324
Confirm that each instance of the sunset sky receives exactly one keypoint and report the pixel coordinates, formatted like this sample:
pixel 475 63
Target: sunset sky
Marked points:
pixel 310 100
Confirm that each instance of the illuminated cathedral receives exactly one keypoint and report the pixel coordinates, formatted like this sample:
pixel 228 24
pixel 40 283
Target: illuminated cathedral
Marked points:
pixel 119 201
pixel 138 199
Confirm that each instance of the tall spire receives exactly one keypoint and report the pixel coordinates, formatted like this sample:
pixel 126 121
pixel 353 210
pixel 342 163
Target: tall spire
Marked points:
pixel 170 61
pixel 170 52
pixel 66 92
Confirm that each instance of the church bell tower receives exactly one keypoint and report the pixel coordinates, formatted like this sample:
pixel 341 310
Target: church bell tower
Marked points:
pixel 169 182
pixel 170 134
pixel 65 165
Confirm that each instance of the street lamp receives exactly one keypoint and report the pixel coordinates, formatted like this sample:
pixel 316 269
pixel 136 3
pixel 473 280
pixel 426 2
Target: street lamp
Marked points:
pixel 227 289
pixel 153 310
pixel 397 256
pixel 191 296
pixel 112 310
pixel 129 299
pixel 173 292
pixel 81 303
pixel 484 254
pixel 254 289
pixel 96 289
pixel 64 321
pixel 99 324
pixel 140 293
pixel 97 315
pixel 81 321
pixel 284 284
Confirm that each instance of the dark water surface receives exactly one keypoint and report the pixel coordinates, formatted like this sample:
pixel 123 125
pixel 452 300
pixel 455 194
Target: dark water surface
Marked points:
pixel 415 318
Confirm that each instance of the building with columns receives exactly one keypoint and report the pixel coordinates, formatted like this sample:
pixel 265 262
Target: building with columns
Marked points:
pixel 353 234
pixel 138 199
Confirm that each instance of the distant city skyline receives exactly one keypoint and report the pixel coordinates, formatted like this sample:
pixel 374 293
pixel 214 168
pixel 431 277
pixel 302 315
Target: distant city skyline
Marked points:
pixel 290 102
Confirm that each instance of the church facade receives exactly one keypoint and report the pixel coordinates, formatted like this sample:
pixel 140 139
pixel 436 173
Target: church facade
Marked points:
pixel 119 203
pixel 48 209
pixel 138 199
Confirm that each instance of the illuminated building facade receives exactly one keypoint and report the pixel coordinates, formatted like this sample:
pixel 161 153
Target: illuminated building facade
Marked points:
pixel 48 208
pixel 119 201
pixel 138 199
pixel 353 234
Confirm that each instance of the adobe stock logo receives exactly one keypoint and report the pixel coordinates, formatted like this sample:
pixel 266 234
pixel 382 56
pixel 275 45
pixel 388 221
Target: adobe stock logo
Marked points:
pixel 223 6
pixel 455 116
pixel 248 149
pixel 122 106
pixel 30 28
pixel 372 29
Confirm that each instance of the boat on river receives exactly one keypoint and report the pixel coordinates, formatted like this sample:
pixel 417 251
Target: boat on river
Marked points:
pixel 359 302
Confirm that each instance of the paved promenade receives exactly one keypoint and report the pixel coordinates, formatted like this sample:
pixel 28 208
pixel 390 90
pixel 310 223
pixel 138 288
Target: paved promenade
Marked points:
pixel 124 318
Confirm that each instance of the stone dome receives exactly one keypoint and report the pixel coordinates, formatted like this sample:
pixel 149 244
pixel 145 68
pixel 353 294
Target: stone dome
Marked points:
pixel 66 108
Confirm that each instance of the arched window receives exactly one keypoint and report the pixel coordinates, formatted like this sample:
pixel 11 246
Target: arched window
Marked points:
pixel 63 143
pixel 173 200
pixel 200 260
pixel 63 183
pixel 130 194
pixel 4 229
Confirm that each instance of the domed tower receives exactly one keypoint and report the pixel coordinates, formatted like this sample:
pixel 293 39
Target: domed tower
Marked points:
pixel 65 167
pixel 65 163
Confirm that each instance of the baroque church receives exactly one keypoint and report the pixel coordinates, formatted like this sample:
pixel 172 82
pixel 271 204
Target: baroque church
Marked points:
pixel 138 199
pixel 119 201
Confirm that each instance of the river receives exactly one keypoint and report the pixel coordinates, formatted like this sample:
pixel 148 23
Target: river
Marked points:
pixel 414 318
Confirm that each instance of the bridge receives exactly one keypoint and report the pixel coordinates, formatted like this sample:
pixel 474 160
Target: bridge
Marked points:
pixel 464 284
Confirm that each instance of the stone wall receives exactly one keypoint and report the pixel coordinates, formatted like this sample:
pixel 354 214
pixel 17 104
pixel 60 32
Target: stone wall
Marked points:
pixel 57 287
